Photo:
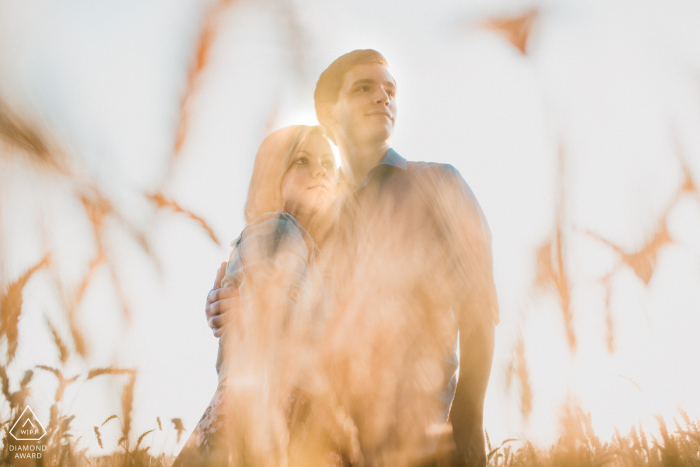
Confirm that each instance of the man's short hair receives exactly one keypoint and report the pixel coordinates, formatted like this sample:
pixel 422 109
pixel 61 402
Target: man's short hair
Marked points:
pixel 331 80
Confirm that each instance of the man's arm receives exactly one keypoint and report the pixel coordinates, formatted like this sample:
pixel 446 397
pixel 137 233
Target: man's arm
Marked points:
pixel 222 304
pixel 467 412
pixel 466 241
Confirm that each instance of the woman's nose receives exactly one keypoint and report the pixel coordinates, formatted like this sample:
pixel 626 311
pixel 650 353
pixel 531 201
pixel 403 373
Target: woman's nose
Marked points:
pixel 319 170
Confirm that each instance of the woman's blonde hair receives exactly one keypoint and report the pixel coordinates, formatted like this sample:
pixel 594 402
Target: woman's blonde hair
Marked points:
pixel 274 157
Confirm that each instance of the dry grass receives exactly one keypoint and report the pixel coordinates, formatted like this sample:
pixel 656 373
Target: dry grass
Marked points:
pixel 202 57
pixel 578 445
pixel 515 29
pixel 24 137
pixel 61 447
pixel 551 257
pixel 11 306
pixel 162 202
pixel 32 145
pixel 518 368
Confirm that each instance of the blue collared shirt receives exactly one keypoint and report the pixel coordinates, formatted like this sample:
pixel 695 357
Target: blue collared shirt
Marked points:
pixel 391 158
pixel 451 363
pixel 438 196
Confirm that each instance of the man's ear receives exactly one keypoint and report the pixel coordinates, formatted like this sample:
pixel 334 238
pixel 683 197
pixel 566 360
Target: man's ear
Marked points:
pixel 324 113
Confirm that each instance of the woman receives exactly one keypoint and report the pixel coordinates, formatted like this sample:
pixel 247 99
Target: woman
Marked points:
pixel 267 376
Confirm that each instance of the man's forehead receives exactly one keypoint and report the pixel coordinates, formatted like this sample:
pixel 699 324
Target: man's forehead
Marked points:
pixel 368 72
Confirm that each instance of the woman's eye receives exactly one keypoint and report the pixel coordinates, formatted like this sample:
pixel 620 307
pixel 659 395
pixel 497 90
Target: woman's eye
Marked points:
pixel 363 88
pixel 328 164
pixel 302 161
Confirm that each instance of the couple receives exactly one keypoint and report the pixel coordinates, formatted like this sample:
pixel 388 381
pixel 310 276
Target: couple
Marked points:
pixel 357 310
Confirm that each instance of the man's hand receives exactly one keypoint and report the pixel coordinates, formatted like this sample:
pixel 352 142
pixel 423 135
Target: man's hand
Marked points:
pixel 222 304
pixel 471 454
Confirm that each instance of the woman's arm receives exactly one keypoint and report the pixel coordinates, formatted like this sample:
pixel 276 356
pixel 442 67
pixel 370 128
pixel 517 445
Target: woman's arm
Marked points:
pixel 263 352
pixel 270 268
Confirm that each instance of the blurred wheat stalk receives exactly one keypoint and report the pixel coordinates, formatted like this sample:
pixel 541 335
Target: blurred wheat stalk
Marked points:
pixel 578 445
pixel 32 146
pixel 29 144
pixel 24 141
pixel 551 257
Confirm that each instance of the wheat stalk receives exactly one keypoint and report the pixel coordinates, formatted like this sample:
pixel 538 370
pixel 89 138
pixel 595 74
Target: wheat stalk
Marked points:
pixel 20 132
pixel 99 437
pixel 162 202
pixel 95 372
pixel 515 29
pixel 140 438
pixel 63 352
pixel 127 406
pixel 179 427
pixel 11 307
pixel 111 417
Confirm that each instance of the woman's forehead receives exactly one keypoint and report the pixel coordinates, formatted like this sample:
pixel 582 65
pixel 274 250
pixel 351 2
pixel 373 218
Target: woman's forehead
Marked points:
pixel 316 145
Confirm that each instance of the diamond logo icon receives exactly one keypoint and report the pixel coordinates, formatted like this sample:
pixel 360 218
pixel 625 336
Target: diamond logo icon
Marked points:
pixel 28 427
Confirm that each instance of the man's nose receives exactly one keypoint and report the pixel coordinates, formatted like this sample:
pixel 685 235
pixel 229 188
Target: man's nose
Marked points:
pixel 382 97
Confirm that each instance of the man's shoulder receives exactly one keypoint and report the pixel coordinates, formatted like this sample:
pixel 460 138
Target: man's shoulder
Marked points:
pixel 432 168
pixel 425 165
pixel 434 173
pixel 439 179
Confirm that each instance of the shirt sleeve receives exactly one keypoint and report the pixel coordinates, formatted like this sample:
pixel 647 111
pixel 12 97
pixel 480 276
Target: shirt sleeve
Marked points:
pixel 270 267
pixel 466 243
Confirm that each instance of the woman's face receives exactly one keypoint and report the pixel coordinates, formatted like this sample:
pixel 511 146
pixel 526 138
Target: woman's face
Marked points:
pixel 309 185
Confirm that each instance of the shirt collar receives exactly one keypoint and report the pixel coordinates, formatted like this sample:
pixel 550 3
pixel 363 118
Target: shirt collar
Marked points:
pixel 391 158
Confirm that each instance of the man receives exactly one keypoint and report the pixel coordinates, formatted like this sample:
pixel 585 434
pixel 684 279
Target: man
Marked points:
pixel 412 263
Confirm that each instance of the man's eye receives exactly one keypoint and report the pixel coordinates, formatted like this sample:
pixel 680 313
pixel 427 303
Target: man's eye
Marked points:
pixel 391 93
pixel 363 88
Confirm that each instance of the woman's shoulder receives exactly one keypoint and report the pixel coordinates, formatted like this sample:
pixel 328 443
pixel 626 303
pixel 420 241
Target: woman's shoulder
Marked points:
pixel 275 231
pixel 276 224
pixel 285 220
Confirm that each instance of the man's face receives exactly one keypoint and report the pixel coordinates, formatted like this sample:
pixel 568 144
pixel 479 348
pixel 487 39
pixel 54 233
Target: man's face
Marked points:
pixel 366 108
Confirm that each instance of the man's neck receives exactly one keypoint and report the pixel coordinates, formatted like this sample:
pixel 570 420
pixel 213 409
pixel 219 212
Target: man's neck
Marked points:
pixel 358 160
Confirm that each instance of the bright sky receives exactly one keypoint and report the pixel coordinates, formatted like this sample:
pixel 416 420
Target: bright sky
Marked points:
pixel 608 80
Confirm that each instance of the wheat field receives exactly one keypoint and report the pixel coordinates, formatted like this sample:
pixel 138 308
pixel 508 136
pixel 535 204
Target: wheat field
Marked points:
pixel 35 153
